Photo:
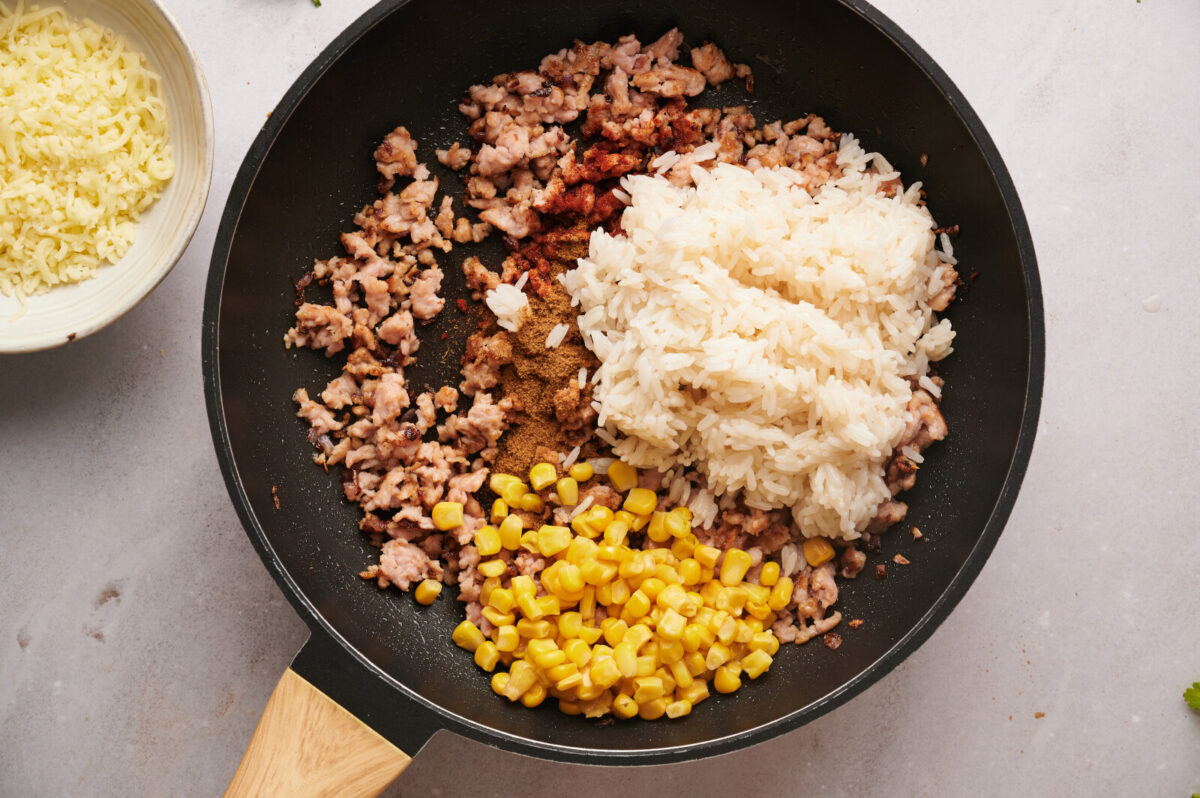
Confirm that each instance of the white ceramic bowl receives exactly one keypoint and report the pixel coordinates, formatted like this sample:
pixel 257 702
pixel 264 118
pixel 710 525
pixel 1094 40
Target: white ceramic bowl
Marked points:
pixel 69 312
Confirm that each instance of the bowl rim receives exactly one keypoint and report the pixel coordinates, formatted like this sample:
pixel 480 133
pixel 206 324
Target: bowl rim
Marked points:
pixel 50 339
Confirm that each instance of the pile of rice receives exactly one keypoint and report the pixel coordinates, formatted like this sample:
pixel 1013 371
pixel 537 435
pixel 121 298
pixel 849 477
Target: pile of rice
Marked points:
pixel 764 336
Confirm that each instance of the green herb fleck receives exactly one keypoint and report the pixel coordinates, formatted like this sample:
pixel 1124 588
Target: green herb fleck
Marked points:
pixel 317 3
pixel 1192 697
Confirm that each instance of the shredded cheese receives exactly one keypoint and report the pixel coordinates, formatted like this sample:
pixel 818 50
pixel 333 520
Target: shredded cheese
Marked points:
pixel 83 147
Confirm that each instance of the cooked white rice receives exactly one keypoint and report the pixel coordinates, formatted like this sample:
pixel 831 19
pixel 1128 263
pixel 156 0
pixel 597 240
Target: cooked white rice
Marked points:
pixel 508 302
pixel 557 333
pixel 765 336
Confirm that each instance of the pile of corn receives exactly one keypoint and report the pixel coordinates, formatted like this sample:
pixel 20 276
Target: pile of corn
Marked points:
pixel 681 618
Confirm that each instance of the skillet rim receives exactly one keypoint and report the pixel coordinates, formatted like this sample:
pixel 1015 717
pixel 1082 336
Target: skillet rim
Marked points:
pixel 243 184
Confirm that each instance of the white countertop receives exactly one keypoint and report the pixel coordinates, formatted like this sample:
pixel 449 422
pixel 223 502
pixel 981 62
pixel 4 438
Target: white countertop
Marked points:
pixel 140 635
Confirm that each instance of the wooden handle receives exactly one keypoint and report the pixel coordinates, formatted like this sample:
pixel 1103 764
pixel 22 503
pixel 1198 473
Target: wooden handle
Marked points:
pixel 306 746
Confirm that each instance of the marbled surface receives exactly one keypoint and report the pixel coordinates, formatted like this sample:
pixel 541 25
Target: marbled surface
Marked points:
pixel 140 635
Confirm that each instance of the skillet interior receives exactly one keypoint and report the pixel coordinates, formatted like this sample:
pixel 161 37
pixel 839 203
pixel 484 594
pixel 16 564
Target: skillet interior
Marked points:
pixel 410 69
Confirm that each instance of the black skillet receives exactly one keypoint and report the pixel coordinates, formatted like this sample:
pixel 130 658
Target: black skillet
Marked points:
pixel 390 662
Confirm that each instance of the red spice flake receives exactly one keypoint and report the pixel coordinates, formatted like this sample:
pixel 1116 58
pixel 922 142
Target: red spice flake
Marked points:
pixel 444 336
pixel 916 533
pixel 973 276
pixel 1039 715
pixel 833 641
pixel 881 571
pixel 856 623
pixel 900 559
pixel 924 159
pixel 275 496
pixel 461 304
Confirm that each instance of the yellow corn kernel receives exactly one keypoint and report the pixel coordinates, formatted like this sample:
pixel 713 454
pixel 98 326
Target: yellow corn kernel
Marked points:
pixel 640 501
pixel 706 555
pixel 499 511
pixel 498 617
pixel 647 688
pixel 667 573
pixel 757 609
pixel 744 633
pixel 639 635
pixel 498 482
pixel 769 574
pixel 756 592
pixel 597 572
pixel 537 647
pixel 817 551
pixel 487 540
pixel 652 587
pixel 755 663
pixel 695 663
pixel 427 591
pixel 521 676
pixel 548 658
pixel 529 607
pixel 510 531
pixel 718 655
pixel 581 550
pixel 677 524
pixel 667 680
pixel 611 553
pixel 731 600
pixel 670 651
pixel 646 665
pixel 499 682
pixel 553 539
pixel 597 518
pixel 671 626
pixel 570 580
pixel 625 656
pixel 536 629
pixel 581 472
pixel 578 651
pixel 696 692
pixel 725 680
pixel 727 630
pixel 487 655
pixel 542 475
pixel 534 696
pixel 619 591
pixel 604 594
pixel 447 515
pixel 467 635
pixel 587 608
pixel 604 672
pixel 568 491
pixel 677 709
pixel 507 638
pixel 614 630
pixel 485 591
pixel 734 566
pixel 624 707
pixel 568 707
pixel 513 492
pixel 502 599
pixel 710 591
pixel 652 710
pixel 579 526
pixel 679 671
pixel 623 477
pixel 493 568
pixel 549 605
pixel 683 547
pixel 781 593
pixel 569 624
pixel 655 529
pixel 616 532
pixel 689 572
pixel 625 517
pixel 532 503
pixel 522 585
pixel 638 604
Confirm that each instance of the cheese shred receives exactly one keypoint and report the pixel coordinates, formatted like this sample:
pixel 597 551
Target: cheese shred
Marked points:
pixel 83 147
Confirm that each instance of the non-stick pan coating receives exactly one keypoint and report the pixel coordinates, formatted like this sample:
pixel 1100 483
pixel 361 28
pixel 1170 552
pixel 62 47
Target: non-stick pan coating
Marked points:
pixel 310 170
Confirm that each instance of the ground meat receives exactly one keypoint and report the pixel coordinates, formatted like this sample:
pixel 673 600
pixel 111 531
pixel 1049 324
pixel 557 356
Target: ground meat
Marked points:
pixel 425 300
pixel 925 423
pixel 317 327
pixel 712 63
pixel 456 157
pixel 671 81
pixel 395 157
pixel 482 361
pixel 403 564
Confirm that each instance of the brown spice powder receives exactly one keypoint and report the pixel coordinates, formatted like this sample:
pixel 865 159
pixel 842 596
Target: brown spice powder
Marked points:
pixel 538 373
